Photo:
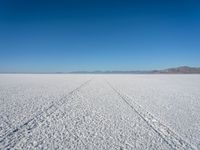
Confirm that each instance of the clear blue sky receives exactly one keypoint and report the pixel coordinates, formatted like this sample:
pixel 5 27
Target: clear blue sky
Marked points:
pixel 69 35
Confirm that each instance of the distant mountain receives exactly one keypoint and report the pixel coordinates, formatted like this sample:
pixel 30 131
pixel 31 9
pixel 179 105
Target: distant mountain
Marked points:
pixel 180 70
pixel 177 70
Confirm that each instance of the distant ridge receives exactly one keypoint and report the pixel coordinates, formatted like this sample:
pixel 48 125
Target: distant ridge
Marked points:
pixel 180 70
pixel 177 70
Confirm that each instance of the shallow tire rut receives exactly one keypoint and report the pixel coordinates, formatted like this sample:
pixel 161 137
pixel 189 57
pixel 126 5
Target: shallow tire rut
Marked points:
pixel 9 140
pixel 169 136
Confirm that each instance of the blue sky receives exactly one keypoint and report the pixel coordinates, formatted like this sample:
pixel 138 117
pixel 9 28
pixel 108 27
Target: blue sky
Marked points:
pixel 71 35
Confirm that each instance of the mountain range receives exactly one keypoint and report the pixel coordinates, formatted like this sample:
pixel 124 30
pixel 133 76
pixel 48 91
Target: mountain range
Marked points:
pixel 177 70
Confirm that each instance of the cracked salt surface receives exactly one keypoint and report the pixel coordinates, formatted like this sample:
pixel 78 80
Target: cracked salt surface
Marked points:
pixel 92 112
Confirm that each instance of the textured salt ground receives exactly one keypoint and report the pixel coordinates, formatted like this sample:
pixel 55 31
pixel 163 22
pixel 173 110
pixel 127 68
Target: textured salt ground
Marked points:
pixel 173 99
pixel 92 117
pixel 94 121
pixel 22 96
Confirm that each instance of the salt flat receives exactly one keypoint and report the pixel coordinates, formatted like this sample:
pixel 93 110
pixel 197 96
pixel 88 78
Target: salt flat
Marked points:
pixel 99 111
pixel 173 99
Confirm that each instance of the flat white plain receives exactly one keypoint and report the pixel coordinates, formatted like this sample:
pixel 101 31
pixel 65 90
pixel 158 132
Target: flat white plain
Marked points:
pixel 99 111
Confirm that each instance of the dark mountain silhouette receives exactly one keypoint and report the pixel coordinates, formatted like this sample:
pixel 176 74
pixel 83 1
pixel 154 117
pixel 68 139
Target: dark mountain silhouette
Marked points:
pixel 177 70
pixel 180 70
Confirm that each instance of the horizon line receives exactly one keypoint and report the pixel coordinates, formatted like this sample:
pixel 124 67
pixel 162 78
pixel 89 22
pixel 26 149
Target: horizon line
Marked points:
pixel 152 71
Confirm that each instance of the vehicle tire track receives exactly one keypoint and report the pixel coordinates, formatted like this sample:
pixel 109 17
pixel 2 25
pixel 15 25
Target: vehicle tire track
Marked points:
pixel 169 136
pixel 9 140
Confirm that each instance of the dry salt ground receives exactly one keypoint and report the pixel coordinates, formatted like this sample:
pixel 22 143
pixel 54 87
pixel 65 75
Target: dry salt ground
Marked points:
pixel 89 112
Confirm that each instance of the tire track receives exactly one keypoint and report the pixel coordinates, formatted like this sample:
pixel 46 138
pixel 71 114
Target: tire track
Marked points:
pixel 96 121
pixel 169 136
pixel 12 138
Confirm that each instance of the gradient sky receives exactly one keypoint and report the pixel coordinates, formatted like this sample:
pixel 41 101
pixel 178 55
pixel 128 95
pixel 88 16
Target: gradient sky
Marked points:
pixel 69 35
